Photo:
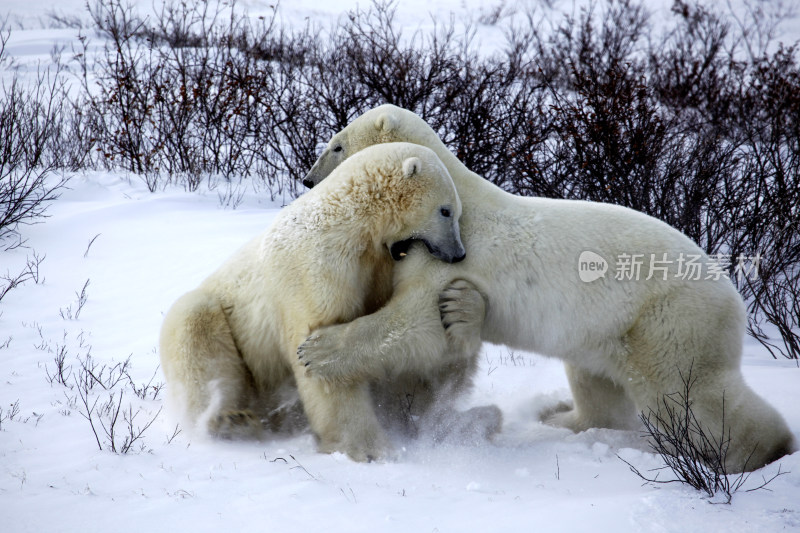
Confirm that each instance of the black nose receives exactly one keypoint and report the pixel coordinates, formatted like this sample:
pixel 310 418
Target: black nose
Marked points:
pixel 460 258
pixel 308 183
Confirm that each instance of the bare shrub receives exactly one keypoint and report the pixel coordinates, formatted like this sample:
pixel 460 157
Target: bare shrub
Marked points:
pixel 778 304
pixel 9 414
pixel 98 391
pixel 30 119
pixel 119 434
pixel 62 372
pixel 181 98
pixel 30 272
pixel 73 313
pixel 768 220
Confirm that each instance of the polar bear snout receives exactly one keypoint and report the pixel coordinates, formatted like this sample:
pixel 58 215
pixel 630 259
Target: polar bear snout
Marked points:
pixel 328 160
pixel 449 252
pixel 456 255
pixel 315 175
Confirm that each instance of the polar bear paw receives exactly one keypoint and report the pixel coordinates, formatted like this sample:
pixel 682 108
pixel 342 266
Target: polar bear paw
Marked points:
pixel 243 424
pixel 322 356
pixel 462 310
pixel 564 415
pixel 367 448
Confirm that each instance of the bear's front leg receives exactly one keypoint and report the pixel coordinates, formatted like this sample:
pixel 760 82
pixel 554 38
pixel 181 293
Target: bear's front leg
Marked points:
pixel 342 418
pixel 406 335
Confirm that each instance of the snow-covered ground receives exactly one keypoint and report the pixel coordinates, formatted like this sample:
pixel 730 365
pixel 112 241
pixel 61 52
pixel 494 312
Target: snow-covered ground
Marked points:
pixel 139 251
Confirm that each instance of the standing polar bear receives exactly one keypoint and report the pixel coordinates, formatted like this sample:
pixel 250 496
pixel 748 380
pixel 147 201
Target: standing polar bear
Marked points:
pixel 228 348
pixel 627 340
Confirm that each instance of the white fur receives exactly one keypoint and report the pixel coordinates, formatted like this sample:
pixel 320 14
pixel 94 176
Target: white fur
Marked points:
pixel 228 348
pixel 625 343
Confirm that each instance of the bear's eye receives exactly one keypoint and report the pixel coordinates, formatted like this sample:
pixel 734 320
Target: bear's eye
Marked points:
pixel 445 212
pixel 337 148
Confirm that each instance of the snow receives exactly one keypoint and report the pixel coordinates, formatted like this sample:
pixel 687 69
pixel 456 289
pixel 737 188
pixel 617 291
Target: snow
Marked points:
pixel 141 250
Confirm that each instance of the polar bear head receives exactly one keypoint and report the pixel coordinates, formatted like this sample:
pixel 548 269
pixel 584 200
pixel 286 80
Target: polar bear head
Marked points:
pixel 406 193
pixel 383 124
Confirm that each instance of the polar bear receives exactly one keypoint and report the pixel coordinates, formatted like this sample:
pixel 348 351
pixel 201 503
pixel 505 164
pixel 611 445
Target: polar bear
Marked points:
pixel 544 268
pixel 228 347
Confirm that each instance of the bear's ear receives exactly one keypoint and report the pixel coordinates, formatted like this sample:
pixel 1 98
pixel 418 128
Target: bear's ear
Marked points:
pixel 411 166
pixel 385 122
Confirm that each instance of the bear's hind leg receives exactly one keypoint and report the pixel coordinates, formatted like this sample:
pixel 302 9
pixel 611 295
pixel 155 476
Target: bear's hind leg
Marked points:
pixel 727 421
pixel 598 402
pixel 758 434
pixel 342 418
pixel 678 363
pixel 208 382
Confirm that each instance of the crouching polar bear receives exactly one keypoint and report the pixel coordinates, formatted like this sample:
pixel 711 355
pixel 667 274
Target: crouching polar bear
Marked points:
pixel 228 348
pixel 626 342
